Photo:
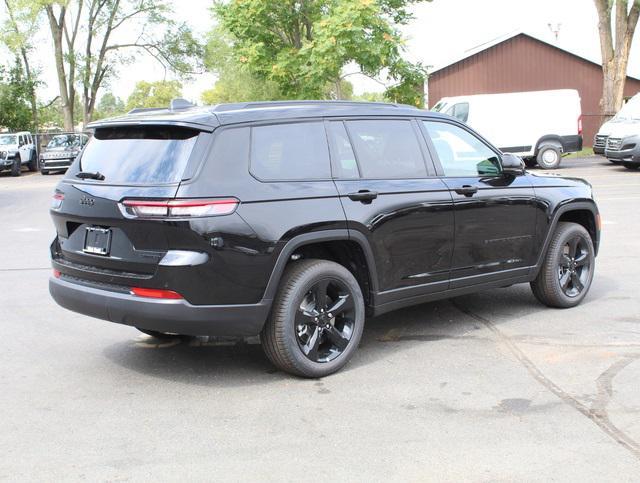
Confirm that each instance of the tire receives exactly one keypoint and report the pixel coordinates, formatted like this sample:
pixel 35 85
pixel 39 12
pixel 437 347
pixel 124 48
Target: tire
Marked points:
pixel 632 166
pixel 33 163
pixel 530 162
pixel 549 156
pixel 16 167
pixel 159 335
pixel 568 265
pixel 298 342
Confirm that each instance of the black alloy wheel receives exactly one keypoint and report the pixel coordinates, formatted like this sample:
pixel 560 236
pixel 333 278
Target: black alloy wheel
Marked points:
pixel 325 320
pixel 574 266
pixel 567 269
pixel 316 320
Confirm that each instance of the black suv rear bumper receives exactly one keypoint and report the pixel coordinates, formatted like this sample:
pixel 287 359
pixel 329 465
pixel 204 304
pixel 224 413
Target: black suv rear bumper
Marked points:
pixel 175 316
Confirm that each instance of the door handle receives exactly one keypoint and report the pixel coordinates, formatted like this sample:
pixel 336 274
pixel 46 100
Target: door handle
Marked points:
pixel 467 190
pixel 364 196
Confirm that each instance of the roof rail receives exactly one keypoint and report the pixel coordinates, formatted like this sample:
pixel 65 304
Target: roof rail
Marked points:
pixel 145 109
pixel 260 104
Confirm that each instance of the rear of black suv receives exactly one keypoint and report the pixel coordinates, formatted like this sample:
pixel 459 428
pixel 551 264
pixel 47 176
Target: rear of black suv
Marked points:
pixel 132 250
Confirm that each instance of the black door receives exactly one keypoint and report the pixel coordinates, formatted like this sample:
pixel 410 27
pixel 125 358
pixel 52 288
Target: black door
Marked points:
pixel 391 196
pixel 494 212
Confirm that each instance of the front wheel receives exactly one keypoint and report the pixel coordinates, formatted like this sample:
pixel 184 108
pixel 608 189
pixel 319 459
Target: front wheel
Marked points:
pixel 317 319
pixel 549 156
pixel 16 167
pixel 567 270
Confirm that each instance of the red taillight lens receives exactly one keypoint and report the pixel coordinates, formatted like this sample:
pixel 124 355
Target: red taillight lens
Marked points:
pixel 56 201
pixel 155 293
pixel 580 125
pixel 179 208
pixel 56 273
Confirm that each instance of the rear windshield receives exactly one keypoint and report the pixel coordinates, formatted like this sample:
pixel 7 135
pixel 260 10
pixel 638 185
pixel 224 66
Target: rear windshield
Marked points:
pixel 140 154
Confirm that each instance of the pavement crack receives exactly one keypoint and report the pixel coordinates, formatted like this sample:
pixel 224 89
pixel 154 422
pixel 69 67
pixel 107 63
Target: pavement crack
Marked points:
pixel 597 416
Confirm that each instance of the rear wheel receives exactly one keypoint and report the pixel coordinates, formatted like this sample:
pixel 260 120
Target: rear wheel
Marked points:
pixel 317 319
pixel 549 156
pixel 16 167
pixel 33 162
pixel 632 166
pixel 567 270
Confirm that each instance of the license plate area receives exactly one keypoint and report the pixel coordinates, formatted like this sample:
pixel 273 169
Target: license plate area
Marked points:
pixel 97 241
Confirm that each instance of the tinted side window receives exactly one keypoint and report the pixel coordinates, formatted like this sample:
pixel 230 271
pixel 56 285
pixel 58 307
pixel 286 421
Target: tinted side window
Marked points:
pixel 387 149
pixel 345 165
pixel 460 152
pixel 290 151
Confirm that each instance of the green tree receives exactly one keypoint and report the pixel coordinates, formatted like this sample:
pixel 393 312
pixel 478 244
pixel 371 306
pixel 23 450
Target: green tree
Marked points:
pixel 154 94
pixel 615 50
pixel 15 99
pixel 92 38
pixel 303 45
pixel 109 106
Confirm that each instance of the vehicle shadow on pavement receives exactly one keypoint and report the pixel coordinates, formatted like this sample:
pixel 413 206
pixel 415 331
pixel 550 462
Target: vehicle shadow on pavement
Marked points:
pixel 235 362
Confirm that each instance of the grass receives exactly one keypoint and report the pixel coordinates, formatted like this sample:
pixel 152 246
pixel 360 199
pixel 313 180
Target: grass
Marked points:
pixel 581 154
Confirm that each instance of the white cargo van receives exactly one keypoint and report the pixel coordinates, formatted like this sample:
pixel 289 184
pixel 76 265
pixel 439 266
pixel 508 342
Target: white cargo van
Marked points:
pixel 625 123
pixel 539 126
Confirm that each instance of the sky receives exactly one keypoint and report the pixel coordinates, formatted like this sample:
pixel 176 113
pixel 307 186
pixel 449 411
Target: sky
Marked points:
pixel 441 31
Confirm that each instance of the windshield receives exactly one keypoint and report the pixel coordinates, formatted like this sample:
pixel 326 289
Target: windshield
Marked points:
pixel 139 155
pixel 631 110
pixel 65 141
pixel 7 140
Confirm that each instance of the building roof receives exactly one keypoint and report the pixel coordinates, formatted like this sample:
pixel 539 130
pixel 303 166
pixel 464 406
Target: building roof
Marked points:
pixel 504 38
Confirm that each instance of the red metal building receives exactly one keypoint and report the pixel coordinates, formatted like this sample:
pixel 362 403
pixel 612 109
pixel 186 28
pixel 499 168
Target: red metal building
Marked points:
pixel 520 63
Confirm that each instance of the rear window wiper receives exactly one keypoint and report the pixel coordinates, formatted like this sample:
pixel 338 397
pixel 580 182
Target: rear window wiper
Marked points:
pixel 89 175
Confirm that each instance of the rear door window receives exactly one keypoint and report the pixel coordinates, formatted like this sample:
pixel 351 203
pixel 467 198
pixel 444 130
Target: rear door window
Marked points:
pixel 140 154
pixel 387 149
pixel 294 151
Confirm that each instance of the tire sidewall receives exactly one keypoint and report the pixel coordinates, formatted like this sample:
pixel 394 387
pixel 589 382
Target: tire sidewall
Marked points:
pixel 322 271
pixel 554 261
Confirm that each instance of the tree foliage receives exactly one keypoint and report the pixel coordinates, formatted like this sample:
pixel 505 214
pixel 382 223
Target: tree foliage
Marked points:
pixel 154 94
pixel 109 105
pixel 15 95
pixel 93 38
pixel 303 45
pixel 615 48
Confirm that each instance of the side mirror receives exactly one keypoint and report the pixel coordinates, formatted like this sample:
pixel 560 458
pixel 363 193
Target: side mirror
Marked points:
pixel 512 164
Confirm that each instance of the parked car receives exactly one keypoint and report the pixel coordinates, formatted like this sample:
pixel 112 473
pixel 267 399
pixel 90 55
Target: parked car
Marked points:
pixel 624 150
pixel 294 220
pixel 539 126
pixel 626 123
pixel 17 150
pixel 61 151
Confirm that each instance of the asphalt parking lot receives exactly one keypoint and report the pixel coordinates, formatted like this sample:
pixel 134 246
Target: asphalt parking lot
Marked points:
pixel 485 387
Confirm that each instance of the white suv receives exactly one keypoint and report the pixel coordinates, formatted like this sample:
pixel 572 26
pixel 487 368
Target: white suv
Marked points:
pixel 16 150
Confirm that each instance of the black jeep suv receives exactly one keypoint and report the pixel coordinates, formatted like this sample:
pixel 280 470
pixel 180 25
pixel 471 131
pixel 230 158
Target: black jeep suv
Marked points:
pixel 295 220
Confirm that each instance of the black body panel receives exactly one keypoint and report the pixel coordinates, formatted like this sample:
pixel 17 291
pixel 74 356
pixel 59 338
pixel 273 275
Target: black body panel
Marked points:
pixel 421 238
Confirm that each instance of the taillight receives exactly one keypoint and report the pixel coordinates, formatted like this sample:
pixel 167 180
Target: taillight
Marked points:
pixel 192 208
pixel 155 293
pixel 56 273
pixel 56 201
pixel 580 125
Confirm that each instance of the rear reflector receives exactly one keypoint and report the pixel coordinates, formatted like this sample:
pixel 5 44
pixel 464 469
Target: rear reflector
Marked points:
pixel 179 208
pixel 56 273
pixel 56 201
pixel 155 293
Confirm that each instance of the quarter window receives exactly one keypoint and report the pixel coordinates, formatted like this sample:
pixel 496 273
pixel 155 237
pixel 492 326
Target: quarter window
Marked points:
pixel 345 165
pixel 295 151
pixel 460 152
pixel 387 149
